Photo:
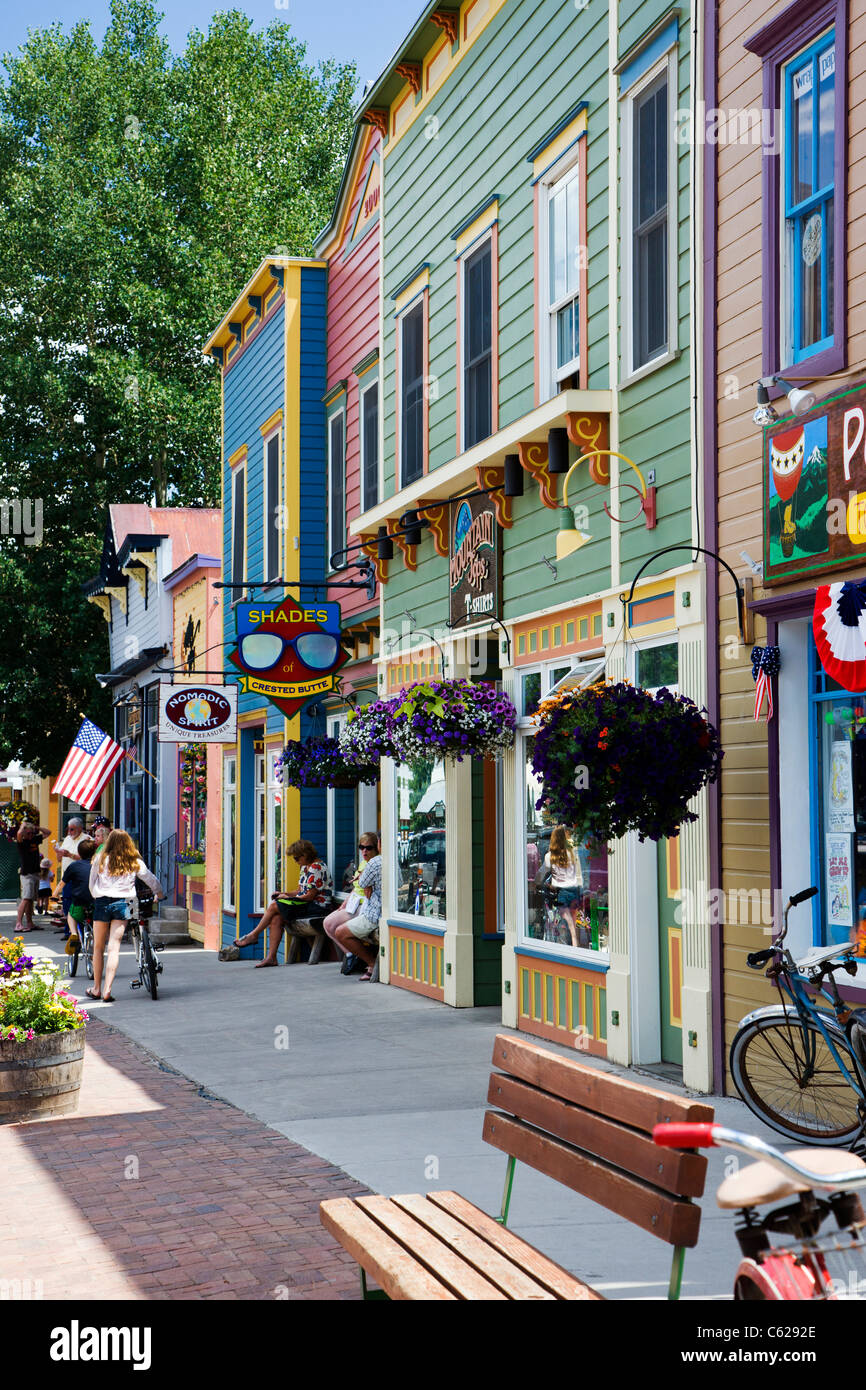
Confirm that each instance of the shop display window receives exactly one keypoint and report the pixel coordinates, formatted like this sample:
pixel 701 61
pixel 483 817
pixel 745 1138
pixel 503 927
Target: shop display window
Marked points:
pixel 421 856
pixel 839 829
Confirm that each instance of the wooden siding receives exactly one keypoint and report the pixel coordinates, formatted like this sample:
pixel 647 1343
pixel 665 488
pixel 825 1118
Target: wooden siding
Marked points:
pixel 740 318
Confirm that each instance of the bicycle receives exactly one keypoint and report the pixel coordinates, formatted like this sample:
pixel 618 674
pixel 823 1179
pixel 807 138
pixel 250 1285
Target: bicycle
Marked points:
pixel 85 928
pixel 799 1067
pixel 806 1264
pixel 149 968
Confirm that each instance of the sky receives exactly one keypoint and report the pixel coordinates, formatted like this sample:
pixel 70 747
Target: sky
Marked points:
pixel 341 29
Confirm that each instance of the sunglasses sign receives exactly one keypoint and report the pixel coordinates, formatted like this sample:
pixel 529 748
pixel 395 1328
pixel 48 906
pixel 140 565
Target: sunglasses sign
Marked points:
pixel 288 653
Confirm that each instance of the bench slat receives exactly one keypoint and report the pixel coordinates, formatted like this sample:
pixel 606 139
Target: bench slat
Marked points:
pixel 378 1253
pixel 552 1276
pixel 427 1249
pixel 631 1104
pixel 670 1218
pixel 682 1173
pixel 471 1247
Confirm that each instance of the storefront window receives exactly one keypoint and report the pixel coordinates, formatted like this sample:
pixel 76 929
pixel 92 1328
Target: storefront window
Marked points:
pixel 229 811
pixel 421 845
pixel 566 879
pixel 275 825
pixel 260 845
pixel 840 730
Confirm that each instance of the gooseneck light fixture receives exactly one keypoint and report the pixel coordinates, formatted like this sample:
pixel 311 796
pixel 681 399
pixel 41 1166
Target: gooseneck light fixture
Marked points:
pixel 799 401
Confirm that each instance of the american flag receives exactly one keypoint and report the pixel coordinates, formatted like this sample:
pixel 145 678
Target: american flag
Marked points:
pixel 89 764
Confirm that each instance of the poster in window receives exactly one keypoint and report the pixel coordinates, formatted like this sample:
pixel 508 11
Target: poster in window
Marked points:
pixel 840 911
pixel 840 795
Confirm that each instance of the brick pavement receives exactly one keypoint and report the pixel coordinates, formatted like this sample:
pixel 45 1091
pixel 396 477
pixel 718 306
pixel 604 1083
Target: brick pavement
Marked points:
pixel 152 1190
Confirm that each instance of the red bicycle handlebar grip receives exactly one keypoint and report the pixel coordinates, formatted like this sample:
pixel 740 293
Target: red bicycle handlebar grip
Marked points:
pixel 684 1136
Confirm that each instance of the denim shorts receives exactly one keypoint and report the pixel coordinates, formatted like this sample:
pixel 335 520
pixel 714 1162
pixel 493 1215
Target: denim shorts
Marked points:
pixel 110 909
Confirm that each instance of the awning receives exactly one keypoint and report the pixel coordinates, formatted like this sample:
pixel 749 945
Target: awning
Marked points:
pixel 132 667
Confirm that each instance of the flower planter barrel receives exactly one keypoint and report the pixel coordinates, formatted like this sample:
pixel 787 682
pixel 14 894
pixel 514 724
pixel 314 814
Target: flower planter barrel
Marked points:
pixel 40 1077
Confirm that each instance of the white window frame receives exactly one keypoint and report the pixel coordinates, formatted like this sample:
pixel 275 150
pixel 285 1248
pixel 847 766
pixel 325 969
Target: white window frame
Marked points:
pixel 667 63
pixel 402 917
pixel 568 169
pixel 465 256
pixel 583 670
pixel 272 513
pixel 335 726
pixel 421 302
pixel 273 790
pixel 230 794
pixel 259 838
pixel 363 392
pixel 337 413
pixel 669 639
pixel 239 480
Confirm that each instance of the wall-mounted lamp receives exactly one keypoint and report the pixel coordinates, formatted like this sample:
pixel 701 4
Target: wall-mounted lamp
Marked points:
pixel 513 481
pixel 384 544
pixel 557 451
pixel 412 525
pixel 799 400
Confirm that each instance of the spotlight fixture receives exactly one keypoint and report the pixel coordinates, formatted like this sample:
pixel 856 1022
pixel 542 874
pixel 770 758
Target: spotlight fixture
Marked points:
pixel 799 400
pixel 513 476
pixel 557 451
pixel 384 544
pixel 412 525
pixel 765 414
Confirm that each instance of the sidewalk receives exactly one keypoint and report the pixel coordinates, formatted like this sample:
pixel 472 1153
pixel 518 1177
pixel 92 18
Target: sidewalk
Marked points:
pixel 390 1088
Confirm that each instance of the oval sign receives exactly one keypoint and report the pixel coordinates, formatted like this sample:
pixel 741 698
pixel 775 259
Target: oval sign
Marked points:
pixel 202 710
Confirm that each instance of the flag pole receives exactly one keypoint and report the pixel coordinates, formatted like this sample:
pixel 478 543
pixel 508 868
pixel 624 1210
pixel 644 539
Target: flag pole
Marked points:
pixel 141 765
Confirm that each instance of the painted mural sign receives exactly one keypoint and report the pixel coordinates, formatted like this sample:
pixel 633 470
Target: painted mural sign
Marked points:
pixel 288 652
pixel 815 489
pixel 198 713
pixel 474 567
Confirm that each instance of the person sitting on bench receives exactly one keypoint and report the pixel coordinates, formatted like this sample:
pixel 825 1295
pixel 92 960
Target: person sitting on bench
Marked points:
pixel 312 899
pixel 355 934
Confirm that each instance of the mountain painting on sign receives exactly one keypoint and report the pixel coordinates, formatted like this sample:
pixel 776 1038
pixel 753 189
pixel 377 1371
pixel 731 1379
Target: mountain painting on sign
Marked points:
pixel 797 492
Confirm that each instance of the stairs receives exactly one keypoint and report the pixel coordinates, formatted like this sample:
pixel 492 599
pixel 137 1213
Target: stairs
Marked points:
pixel 170 927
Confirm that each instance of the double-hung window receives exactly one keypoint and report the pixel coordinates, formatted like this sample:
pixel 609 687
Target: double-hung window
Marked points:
pixel 563 274
pixel 337 488
pixel 369 445
pixel 810 132
pixel 239 477
pixel 477 300
pixel 650 222
pixel 411 330
pixel 272 565
pixel 230 765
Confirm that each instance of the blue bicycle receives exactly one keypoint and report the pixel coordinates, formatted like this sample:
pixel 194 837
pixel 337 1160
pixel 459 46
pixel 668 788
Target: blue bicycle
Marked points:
pixel 801 1067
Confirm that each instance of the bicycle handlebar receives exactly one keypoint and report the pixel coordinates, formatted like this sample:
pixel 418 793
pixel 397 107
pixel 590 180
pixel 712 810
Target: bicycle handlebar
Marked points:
pixel 802 896
pixel 701 1136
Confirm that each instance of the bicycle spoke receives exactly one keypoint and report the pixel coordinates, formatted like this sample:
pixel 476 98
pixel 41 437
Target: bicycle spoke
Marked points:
pixel 791 1079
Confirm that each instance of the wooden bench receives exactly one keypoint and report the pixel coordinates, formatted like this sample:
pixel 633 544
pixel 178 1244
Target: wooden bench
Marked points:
pixel 311 928
pixel 587 1129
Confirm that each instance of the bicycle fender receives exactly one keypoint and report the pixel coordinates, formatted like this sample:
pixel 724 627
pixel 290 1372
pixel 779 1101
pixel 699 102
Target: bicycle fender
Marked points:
pixel 788 1012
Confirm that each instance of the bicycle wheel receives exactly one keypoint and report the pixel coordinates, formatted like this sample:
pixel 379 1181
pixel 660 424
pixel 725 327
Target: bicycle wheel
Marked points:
pixel 149 968
pixel 788 1078
pixel 87 952
pixel 72 964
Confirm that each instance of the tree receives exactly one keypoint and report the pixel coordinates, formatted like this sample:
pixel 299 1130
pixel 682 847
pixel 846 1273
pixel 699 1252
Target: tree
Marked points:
pixel 138 191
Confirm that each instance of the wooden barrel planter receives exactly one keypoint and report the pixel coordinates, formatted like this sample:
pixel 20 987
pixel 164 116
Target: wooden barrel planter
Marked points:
pixel 40 1077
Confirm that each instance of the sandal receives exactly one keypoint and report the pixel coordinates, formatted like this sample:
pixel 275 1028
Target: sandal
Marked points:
pixel 367 975
pixel 93 994
pixel 108 998
pixel 260 964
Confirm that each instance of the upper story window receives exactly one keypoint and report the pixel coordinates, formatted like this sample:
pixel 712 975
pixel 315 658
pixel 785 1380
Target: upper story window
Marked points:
pixel 337 486
pixel 808 260
pixel 411 331
pixel 369 445
pixel 477 303
pixel 271 549
pixel 649 214
pixel 803 50
pixel 563 279
pixel 239 498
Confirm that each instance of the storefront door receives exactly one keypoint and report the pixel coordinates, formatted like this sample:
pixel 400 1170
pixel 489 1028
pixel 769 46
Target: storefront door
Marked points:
pixel 670 952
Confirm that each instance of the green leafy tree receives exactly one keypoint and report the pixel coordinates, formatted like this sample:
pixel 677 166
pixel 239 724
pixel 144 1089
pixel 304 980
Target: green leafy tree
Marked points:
pixel 138 191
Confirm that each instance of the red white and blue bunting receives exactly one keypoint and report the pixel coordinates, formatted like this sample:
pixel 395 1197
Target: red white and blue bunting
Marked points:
pixel 839 625
pixel 765 665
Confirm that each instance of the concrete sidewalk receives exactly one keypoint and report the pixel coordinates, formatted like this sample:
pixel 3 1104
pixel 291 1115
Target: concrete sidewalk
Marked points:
pixel 391 1087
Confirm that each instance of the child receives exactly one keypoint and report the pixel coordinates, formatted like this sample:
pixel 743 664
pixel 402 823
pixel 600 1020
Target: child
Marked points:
pixel 76 882
pixel 46 876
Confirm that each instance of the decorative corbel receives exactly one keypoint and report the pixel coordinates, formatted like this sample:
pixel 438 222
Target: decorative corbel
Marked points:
pixel 103 603
pixel 410 560
pixel 589 433
pixel 378 116
pixel 146 558
pixel 449 21
pixel 437 513
pixel 533 457
pixel 136 570
pixel 411 72
pixel 369 548
pixel 489 475
pixel 118 591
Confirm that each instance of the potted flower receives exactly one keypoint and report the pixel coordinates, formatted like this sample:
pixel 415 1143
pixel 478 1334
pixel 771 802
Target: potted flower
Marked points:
pixel 452 719
pixel 320 762
pixel 369 734
pixel 13 814
pixel 41 1039
pixel 614 757
pixel 190 862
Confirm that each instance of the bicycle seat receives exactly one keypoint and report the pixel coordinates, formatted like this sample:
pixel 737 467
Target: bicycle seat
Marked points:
pixel 817 955
pixel 760 1182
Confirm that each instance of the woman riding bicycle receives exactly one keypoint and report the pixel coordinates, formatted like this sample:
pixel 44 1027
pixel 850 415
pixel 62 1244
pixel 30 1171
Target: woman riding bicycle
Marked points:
pixel 112 887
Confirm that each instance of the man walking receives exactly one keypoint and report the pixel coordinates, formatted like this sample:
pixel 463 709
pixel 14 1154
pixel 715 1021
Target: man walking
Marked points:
pixel 67 853
pixel 29 840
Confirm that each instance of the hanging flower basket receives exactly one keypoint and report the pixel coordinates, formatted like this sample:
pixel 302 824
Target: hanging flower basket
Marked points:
pixel 190 862
pixel 452 719
pixel 369 735
pixel 614 758
pixel 321 762
pixel 13 814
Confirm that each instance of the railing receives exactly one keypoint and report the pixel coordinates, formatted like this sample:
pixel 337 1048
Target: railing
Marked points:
pixel 165 868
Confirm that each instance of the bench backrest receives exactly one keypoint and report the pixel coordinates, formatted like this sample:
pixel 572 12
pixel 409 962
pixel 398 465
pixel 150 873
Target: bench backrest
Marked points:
pixel 592 1132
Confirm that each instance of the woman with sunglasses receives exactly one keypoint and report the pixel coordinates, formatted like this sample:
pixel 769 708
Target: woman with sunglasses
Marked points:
pixel 368 847
pixel 312 899
pixel 355 934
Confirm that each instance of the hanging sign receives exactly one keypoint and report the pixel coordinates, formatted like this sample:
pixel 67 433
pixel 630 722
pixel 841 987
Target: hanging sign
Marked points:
pixel 288 652
pixel 815 489
pixel 474 566
pixel 198 713
pixel 840 908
